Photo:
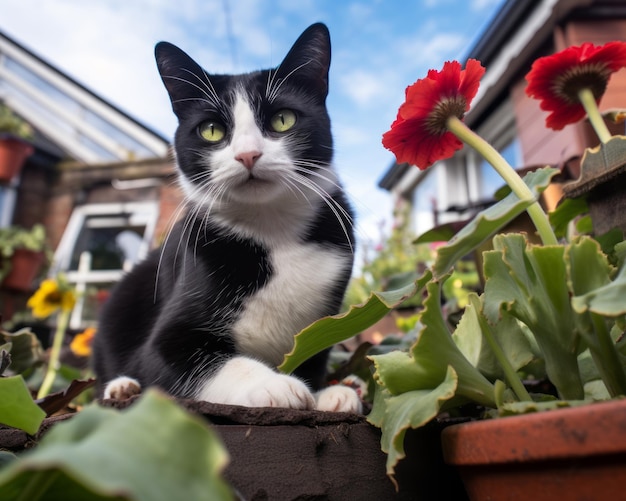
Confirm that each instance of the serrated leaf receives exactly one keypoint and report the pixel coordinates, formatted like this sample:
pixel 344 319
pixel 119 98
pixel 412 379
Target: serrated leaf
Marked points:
pixel 530 282
pixel 608 300
pixel 26 350
pixel 508 333
pixel 490 221
pixel 426 364
pixel 412 409
pixel 441 233
pixel 329 331
pixel 567 210
pixel 517 408
pixel 153 451
pixel 17 408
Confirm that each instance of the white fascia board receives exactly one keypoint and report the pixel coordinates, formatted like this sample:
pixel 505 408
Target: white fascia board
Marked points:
pixel 532 33
pixel 60 136
pixel 73 119
pixel 140 134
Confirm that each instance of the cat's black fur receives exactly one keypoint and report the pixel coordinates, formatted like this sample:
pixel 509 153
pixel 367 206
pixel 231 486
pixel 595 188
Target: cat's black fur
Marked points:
pixel 170 321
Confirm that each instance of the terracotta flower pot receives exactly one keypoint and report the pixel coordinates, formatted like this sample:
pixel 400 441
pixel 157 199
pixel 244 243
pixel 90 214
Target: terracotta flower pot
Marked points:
pixel 13 154
pixel 567 454
pixel 25 265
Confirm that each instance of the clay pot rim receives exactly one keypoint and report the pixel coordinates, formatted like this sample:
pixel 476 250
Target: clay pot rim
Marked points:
pixel 583 431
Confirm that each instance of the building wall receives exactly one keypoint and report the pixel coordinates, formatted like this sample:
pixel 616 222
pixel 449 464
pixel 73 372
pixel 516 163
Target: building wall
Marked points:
pixel 541 145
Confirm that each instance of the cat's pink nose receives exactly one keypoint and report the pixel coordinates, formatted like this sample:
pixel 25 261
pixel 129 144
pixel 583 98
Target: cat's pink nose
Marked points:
pixel 248 158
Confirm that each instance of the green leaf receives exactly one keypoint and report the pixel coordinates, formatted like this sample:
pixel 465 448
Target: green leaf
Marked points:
pixel 603 298
pixel 441 233
pixel 517 408
pixel 151 452
pixel 488 222
pixel 530 282
pixel 329 331
pixel 426 365
pixel 584 225
pixel 507 332
pixel 26 350
pixel 17 408
pixel 412 409
pixel 565 212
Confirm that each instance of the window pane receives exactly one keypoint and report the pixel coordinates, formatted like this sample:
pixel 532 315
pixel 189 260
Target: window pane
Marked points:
pixel 490 180
pixel 424 203
pixel 112 242
pixel 95 296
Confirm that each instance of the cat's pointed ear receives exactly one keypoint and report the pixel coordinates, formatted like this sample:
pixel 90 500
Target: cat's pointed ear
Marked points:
pixel 182 76
pixel 308 61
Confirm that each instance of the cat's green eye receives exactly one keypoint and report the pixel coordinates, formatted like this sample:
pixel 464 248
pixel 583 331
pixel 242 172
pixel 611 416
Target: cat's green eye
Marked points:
pixel 283 121
pixel 212 131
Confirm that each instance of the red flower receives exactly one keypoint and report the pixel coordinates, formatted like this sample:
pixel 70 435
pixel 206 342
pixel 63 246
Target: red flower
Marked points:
pixel 557 79
pixel 419 135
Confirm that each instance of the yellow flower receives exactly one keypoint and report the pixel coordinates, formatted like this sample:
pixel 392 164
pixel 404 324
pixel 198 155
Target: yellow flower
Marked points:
pixel 81 344
pixel 51 296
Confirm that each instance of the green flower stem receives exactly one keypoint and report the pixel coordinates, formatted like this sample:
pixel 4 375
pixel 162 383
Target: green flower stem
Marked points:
pixel 55 353
pixel 510 374
pixel 606 358
pixel 593 113
pixel 512 178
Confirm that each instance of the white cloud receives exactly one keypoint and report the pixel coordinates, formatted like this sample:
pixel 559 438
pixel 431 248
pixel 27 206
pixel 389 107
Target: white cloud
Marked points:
pixel 478 5
pixel 362 86
pixel 431 49
pixel 108 46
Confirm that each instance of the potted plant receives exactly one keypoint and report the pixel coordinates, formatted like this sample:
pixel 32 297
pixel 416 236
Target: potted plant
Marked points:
pixel 14 146
pixel 552 312
pixel 22 255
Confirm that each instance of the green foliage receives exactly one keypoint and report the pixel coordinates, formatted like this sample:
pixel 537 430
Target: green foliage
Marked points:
pixel 11 124
pixel 397 262
pixel 24 348
pixel 153 451
pixel 554 309
pixel 18 408
pixel 19 352
pixel 329 331
pixel 489 221
pixel 17 237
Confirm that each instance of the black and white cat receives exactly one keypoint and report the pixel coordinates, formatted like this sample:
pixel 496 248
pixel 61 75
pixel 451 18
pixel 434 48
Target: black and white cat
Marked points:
pixel 265 248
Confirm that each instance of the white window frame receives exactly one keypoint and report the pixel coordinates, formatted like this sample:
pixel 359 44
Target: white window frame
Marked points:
pixel 139 214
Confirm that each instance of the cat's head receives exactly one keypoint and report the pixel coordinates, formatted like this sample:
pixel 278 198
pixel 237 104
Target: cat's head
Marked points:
pixel 257 137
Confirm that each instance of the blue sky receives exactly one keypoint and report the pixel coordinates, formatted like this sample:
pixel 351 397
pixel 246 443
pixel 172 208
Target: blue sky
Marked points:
pixel 379 47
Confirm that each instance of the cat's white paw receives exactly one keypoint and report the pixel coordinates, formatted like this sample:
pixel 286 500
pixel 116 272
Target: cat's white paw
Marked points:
pixel 244 381
pixel 122 388
pixel 338 398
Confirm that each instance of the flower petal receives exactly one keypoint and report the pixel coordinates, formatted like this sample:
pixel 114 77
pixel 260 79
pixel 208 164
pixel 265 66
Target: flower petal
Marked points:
pixel 419 135
pixel 556 79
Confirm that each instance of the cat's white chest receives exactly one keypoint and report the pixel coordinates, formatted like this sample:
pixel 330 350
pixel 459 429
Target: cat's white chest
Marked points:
pixel 302 276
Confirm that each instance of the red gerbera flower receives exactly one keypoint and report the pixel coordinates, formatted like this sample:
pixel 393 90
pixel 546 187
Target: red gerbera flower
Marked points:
pixel 556 80
pixel 419 134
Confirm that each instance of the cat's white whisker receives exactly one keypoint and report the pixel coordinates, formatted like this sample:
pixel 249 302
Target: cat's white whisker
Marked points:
pixel 332 204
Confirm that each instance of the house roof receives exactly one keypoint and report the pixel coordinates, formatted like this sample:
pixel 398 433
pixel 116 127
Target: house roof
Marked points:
pixel 71 122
